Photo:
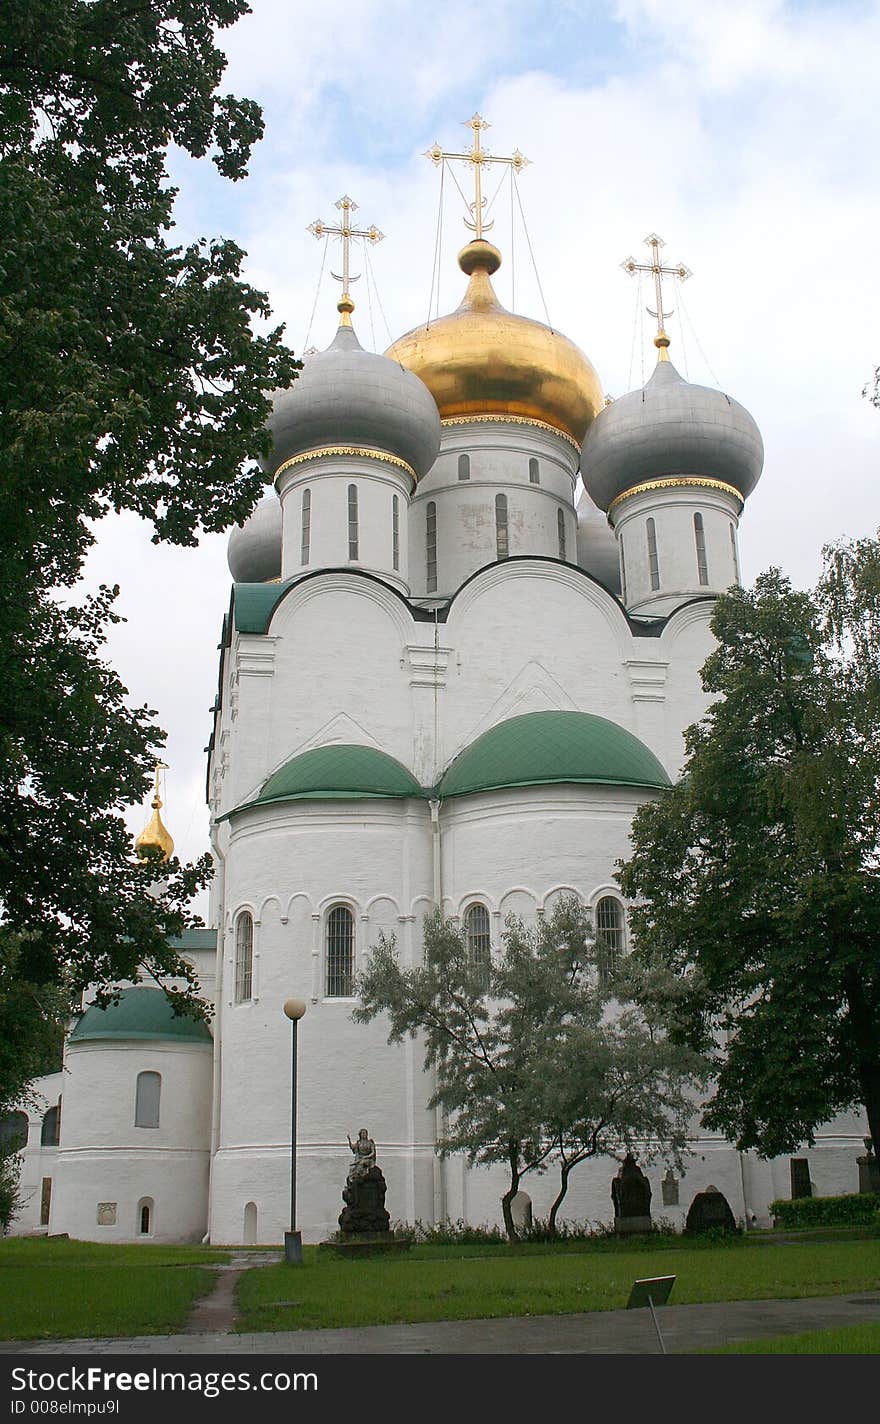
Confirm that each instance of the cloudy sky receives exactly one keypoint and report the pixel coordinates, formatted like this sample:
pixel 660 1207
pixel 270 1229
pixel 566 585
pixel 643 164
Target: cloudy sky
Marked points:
pixel 745 135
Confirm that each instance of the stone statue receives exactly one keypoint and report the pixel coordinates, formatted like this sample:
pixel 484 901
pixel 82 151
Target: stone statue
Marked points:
pixel 631 1195
pixel 364 1213
pixel 364 1156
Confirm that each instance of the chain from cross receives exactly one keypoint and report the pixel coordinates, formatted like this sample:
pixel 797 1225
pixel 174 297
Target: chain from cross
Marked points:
pixel 477 158
pixel 658 272
pixel 347 234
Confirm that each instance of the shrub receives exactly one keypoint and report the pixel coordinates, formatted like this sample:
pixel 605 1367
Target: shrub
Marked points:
pixel 856 1209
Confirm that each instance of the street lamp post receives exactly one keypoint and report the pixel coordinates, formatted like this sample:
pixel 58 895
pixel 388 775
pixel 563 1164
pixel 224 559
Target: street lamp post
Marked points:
pixel 294 1009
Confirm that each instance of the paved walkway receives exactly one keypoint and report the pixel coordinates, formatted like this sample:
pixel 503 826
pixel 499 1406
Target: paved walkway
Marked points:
pixel 613 1332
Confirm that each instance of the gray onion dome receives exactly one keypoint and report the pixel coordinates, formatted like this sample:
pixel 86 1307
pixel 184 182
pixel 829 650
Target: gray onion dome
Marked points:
pixel 596 545
pixel 348 396
pixel 668 428
pixel 254 551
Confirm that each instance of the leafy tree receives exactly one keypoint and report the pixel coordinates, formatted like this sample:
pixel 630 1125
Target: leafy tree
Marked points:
pixel 541 1064
pixel 130 379
pixel 756 875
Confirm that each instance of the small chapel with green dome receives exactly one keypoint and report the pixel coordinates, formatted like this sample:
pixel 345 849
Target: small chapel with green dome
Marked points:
pixel 464 640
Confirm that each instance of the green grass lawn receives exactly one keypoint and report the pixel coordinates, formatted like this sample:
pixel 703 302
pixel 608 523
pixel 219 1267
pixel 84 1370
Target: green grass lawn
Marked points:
pixel 845 1340
pixel 455 1283
pixel 67 1289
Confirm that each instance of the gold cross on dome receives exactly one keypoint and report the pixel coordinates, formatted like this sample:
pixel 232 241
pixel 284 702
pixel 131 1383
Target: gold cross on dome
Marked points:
pixel 346 233
pixel 658 272
pixel 477 157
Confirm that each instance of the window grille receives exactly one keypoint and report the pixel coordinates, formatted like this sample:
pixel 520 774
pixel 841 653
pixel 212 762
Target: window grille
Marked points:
pixel 352 522
pixel 534 472
pixel 609 936
pixel 306 526
pixel 146 1102
pixel 479 947
pixel 431 545
pixel 340 953
pixel 653 561
pixel 700 539
pixel 560 530
pixel 502 546
pixel 395 532
pixel 464 467
pixel 244 957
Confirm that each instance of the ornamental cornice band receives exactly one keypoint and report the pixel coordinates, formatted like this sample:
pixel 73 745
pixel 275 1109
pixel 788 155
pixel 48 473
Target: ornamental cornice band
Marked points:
pixel 511 420
pixel 357 450
pixel 677 482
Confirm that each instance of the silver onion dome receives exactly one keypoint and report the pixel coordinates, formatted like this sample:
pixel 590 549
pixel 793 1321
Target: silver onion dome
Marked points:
pixel 254 550
pixel 667 428
pixel 346 396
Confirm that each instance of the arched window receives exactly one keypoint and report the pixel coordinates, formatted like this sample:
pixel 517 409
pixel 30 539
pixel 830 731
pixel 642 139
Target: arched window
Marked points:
pixel 560 530
pixel 145 1216
pixel 244 957
pixel 735 554
pixel 534 472
pixel 14 1131
pixel 340 953
pixel 352 522
pixel 610 941
pixel 700 541
pixel 502 547
pixel 479 947
pixel 431 545
pixel 464 467
pixel 306 526
pixel 622 570
pixel 50 1132
pixel 146 1101
pixel 395 532
pixel 653 561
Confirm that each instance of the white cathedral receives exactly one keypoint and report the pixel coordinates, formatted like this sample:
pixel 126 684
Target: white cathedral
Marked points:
pixel 445 679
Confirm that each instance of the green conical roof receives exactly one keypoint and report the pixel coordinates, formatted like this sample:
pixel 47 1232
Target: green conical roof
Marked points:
pixel 541 748
pixel 139 1013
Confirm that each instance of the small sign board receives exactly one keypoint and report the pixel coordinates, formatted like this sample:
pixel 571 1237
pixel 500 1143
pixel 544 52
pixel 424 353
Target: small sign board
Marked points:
pixel 654 1290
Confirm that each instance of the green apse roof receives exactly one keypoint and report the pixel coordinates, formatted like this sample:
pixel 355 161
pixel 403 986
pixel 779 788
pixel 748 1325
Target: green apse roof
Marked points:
pixel 339 772
pixel 139 1013
pixel 541 748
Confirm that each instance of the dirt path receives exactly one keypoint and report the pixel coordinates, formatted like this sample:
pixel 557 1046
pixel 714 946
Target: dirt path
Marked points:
pixel 215 1313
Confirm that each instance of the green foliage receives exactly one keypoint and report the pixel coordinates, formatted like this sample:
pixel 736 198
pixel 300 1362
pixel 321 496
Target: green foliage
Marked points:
pixel 756 876
pixel 132 379
pixel 549 1061
pixel 10 1171
pixel 856 1209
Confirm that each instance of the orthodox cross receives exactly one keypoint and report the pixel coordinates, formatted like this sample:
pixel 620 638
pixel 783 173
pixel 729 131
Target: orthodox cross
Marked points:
pixel 477 157
pixel 346 233
pixel 160 767
pixel 658 271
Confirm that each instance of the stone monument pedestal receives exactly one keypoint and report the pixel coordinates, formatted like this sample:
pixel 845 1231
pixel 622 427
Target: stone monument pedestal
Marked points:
pixel 364 1213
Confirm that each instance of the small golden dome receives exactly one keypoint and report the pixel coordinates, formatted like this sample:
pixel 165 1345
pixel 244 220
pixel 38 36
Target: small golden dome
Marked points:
pixel 155 835
pixel 484 360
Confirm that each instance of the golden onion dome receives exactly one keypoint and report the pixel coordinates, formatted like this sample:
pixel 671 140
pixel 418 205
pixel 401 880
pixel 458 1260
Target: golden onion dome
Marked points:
pixel 483 360
pixel 155 835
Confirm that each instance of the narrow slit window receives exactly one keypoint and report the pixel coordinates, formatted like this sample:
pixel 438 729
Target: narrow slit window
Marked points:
pixel 735 554
pixel 479 945
pixel 622 570
pixel 244 957
pixel 534 472
pixel 560 530
pixel 653 561
pixel 395 532
pixel 431 545
pixel 306 526
pixel 700 540
pixel 340 953
pixel 352 522
pixel 464 467
pixel 502 546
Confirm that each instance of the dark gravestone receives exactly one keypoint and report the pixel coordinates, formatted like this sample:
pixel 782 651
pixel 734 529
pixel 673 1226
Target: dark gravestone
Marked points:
pixel 631 1195
pixel 669 1188
pixel 869 1169
pixel 364 1213
pixel 710 1211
